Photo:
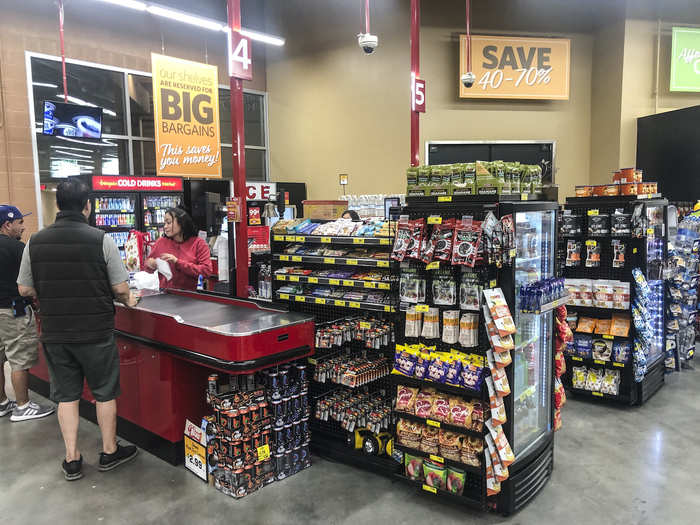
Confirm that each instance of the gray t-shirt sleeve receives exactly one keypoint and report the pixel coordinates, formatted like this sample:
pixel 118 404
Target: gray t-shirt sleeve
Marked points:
pixel 115 266
pixel 25 278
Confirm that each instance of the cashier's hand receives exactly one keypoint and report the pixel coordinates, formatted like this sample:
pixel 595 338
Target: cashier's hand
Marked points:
pixel 169 257
pixel 151 263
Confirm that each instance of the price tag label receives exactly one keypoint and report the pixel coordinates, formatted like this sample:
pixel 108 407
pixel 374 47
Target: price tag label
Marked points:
pixel 384 242
pixel 281 277
pixel 339 302
pixel 284 257
pixel 294 278
pixel 264 453
pixel 300 298
pixel 326 240
pixel 284 296
pixel 312 361
pixel 312 280
pixel 513 252
pixel 196 458
pixel 352 262
pixel 523 196
pixel 599 361
pixel 493 283
pixel 354 304
pixel 650 231
pixel 432 423
pixel 301 238
pixel 608 336
pixel 445 198
pixel 369 284
pixel 365 325
pixel 430 489
pixel 439 459
pixel 621 365
pixel 383 264
pixel 290 238
pixel 384 286
pixel 358 241
pixel 434 219
pixel 348 283
pixel 278 237
pixel 296 258
pixel 320 301
pixel 328 260
pixel 597 394
pixel 335 282
pixel 388 308
pixel 577 358
pixel 433 265
pixel 422 308
pixel 592 213
pixel 634 250
pixel 591 243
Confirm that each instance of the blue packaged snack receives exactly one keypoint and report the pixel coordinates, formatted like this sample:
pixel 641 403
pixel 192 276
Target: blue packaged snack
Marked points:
pixel 422 363
pixel 640 362
pixel 584 345
pixel 454 368
pixel 404 361
pixel 621 351
pixel 570 348
pixel 472 373
pixel 437 370
pixel 643 290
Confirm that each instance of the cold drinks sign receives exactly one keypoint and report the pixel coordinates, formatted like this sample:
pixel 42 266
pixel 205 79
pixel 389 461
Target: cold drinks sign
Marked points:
pixel 517 67
pixel 186 114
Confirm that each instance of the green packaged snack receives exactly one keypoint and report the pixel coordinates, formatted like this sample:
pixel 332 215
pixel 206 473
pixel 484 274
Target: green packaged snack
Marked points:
pixel 446 174
pixel 412 176
pixel 435 475
pixel 536 178
pixel 424 175
pixel 482 168
pixel 499 171
pixel 515 178
pixel 488 185
pixel 413 467
pixel 457 174
pixel 436 175
pixel 507 178
pixel 455 480
pixel 525 179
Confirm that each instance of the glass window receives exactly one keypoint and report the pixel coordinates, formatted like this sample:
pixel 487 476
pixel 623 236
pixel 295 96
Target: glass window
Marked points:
pixel 225 116
pixel 255 164
pixel 227 162
pixel 253 118
pixel 61 157
pixel 141 105
pixel 144 152
pixel 86 86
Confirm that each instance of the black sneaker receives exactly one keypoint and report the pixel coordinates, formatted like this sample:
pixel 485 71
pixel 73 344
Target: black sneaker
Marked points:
pixel 73 470
pixel 121 455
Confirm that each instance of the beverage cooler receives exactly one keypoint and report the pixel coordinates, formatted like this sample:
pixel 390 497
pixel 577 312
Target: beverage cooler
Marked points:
pixel 122 203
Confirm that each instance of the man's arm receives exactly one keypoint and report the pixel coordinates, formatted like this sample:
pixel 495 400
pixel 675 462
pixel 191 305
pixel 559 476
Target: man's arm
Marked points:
pixel 123 294
pixel 25 280
pixel 27 291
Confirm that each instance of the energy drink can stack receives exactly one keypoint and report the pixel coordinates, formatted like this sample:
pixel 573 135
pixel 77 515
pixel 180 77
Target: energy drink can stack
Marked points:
pixel 213 386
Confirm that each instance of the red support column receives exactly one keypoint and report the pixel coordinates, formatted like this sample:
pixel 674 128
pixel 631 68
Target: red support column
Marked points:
pixel 415 72
pixel 239 177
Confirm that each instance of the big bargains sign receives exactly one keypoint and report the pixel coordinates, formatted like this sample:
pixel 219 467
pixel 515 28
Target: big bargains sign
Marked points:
pixel 685 59
pixel 186 114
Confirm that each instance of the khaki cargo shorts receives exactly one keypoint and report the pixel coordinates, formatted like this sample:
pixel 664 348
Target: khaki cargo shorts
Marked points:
pixel 19 342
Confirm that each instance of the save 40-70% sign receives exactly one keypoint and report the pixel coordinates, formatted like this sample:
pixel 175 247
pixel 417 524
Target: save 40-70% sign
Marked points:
pixel 517 67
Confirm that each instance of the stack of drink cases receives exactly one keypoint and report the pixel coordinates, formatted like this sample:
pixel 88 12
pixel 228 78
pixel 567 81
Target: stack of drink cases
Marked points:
pixel 259 432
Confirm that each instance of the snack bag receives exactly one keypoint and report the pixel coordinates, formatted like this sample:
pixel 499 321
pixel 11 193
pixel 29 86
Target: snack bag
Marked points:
pixel 406 398
pixel 403 236
pixel 620 325
pixel 454 369
pixel 559 394
pixel 559 364
pixel 414 243
pixel 500 313
pixel 460 412
pixel 472 450
pixel 621 351
pixel 498 409
pixel 413 466
pixel 455 480
pixel 435 475
pixel 611 382
pixel 602 349
pixel 472 372
pixel 439 365
pixel 557 419
pixel 578 377
pixel 422 363
pixel 594 379
pixel 424 403
pixel 584 346
pixel 505 453
pixel 450 444
pixel 586 325
pixel 444 234
pixel 602 326
pixel 493 486
pixel 466 242
pixel 499 470
pixel 502 359
pixel 500 379
pixel 441 408
pixel 404 361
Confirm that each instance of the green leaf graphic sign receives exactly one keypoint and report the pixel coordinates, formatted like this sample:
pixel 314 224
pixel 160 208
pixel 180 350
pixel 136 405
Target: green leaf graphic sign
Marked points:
pixel 685 59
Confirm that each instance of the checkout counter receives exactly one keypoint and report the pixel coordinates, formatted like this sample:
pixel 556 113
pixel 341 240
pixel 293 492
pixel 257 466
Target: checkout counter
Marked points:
pixel 170 343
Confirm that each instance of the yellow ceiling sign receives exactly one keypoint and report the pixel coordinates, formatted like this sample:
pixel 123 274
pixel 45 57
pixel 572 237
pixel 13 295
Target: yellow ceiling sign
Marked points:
pixel 517 67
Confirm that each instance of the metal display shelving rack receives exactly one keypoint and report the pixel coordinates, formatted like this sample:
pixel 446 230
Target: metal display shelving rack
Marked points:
pixel 636 256
pixel 533 468
pixel 328 438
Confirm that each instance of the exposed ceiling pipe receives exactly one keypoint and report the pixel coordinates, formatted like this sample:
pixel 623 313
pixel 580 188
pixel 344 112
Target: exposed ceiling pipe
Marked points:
pixel 468 78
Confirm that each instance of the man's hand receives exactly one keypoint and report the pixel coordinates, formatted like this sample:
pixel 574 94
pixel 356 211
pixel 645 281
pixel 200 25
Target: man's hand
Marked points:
pixel 27 291
pixel 151 263
pixel 169 257
pixel 123 294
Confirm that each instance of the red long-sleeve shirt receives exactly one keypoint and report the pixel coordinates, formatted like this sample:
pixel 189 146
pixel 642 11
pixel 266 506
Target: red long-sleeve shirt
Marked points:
pixel 193 259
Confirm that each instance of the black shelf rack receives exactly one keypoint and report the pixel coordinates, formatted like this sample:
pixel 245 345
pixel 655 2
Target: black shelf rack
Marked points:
pixel 629 392
pixel 469 498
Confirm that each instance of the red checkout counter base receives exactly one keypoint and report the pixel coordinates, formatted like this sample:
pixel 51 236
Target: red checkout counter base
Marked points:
pixel 170 344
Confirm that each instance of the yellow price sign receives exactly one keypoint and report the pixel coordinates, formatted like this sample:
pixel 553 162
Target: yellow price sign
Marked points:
pixel 592 213
pixel 599 361
pixel 326 240
pixel 354 304
pixel 279 237
pixel 591 243
pixel 320 301
pixel 365 325
pixel 621 365
pixel 294 278
pixel 369 284
pixel 339 302
pixel 523 196
pixel 383 264
pixel 264 453
pixel 513 252
pixel 384 286
pixel 432 423
pixel 312 280
pixel 312 361
pixel 434 219
pixel 300 298
pixel 422 308
pixel 296 258
pixel 433 265
pixel 335 282
pixel 445 198
pixel 493 283
pixel 195 458
pixel 281 277
pixel 428 488
pixel 290 238
pixel 650 231
pixel 328 260
pixel 439 459
pixel 348 283
pixel 608 336
pixel 301 238
pixel 597 394
pixel 284 296
pixel 388 308
pixel 577 358
pixel 634 250
pixel 358 241
pixel 384 242
pixel 352 262
pixel 284 257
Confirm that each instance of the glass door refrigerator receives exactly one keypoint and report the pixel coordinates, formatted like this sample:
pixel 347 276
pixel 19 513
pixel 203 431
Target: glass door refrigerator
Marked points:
pixel 530 407
pixel 153 208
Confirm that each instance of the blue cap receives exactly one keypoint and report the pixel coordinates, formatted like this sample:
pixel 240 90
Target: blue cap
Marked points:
pixel 10 213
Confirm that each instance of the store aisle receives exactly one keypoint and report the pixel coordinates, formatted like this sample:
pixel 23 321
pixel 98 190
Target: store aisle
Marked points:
pixel 635 464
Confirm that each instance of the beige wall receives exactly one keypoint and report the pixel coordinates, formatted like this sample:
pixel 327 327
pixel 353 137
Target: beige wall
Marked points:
pixel 333 110
pixel 109 35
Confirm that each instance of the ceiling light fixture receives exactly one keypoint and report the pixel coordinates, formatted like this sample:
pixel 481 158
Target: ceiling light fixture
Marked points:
pixel 80 101
pixel 132 4
pixel 261 37
pixel 45 84
pixel 186 18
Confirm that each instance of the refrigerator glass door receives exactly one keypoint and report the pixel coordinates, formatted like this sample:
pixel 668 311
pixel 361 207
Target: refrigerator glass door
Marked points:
pixel 532 359
pixel 654 274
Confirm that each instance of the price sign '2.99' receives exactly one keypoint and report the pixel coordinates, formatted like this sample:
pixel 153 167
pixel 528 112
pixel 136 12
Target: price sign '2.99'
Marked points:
pixel 517 67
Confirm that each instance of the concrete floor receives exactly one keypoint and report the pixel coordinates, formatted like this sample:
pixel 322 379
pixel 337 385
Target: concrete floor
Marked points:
pixel 612 466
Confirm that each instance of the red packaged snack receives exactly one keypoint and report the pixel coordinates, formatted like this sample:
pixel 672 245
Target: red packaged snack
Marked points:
pixel 441 408
pixel 460 412
pixel 414 243
pixel 406 398
pixel 403 236
pixel 443 234
pixel 557 419
pixel 466 242
pixel 559 364
pixel 424 403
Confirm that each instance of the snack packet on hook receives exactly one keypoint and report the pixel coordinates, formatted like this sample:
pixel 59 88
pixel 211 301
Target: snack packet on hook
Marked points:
pixel 498 409
pixel 499 470
pixel 505 453
pixel 414 243
pixel 403 235
pixel 500 313
pixel 500 379
pixel 466 242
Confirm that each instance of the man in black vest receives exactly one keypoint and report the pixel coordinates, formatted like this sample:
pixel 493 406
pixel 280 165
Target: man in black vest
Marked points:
pixel 18 340
pixel 75 271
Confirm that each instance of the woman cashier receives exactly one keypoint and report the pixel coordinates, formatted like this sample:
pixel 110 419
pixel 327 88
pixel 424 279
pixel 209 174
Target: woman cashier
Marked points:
pixel 186 253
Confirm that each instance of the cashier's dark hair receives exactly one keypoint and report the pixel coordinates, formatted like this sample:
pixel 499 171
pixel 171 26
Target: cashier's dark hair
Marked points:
pixel 184 220
pixel 72 195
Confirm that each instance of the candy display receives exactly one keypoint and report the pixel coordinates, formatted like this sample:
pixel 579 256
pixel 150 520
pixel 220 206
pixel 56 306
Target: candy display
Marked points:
pixel 599 293
pixel 536 294
pixel 433 405
pixel 374 227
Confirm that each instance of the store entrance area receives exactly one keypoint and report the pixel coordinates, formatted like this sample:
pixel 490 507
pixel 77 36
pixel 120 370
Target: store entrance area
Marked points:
pixel 594 470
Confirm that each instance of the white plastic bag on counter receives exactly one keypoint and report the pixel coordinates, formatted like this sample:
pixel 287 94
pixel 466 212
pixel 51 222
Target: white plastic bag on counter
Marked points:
pixel 146 281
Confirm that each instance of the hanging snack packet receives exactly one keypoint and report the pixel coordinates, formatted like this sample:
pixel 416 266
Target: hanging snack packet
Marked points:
pixel 508 229
pixel 643 290
pixel 443 234
pixel 414 243
pixel 493 486
pixel 472 372
pixel 498 409
pixel 460 412
pixel 499 470
pixel 413 322
pixel 455 368
pixel 441 408
pixel 573 253
pixel 500 313
pixel 592 253
pixel 505 453
pixel 410 286
pixel 469 292
pixel 488 227
pixel 437 370
pixel 469 330
pixel 499 344
pixel 422 364
pixel 618 249
pixel 466 242
pixel 444 288
pixel 500 379
pixel 424 403
pixel 431 324
pixel 403 235
pixel 502 359
pixel 404 361
pixel 406 398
